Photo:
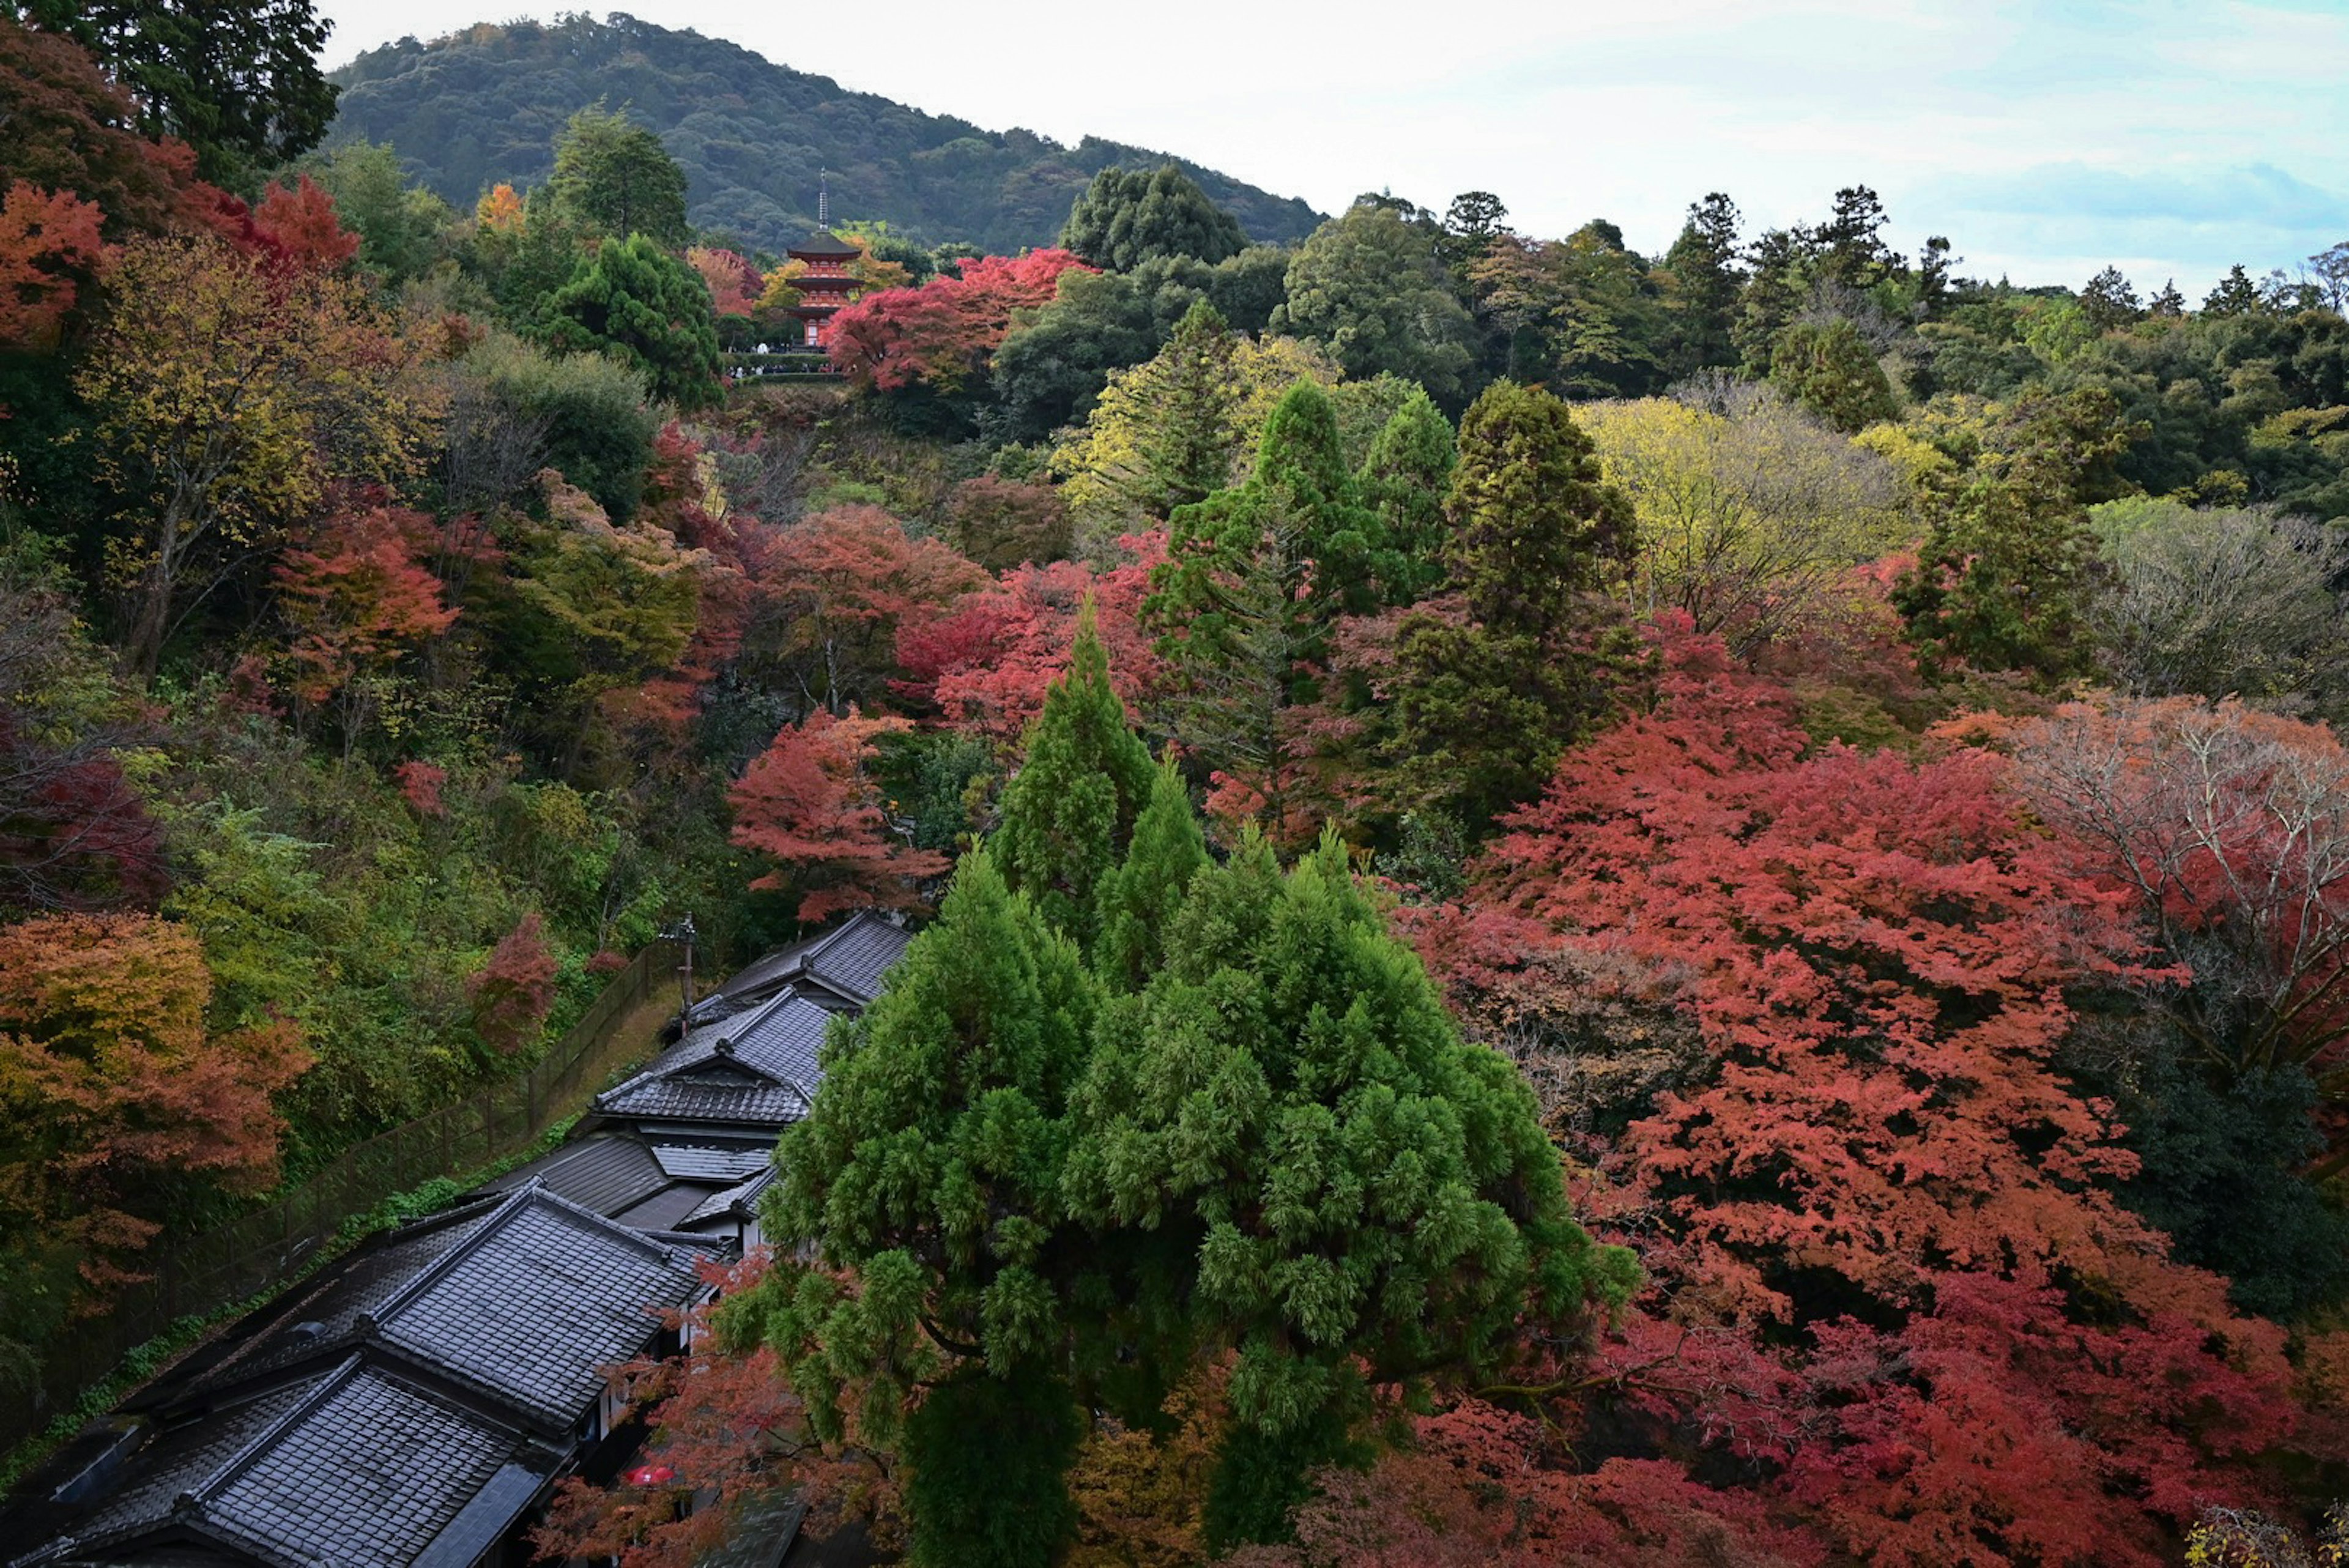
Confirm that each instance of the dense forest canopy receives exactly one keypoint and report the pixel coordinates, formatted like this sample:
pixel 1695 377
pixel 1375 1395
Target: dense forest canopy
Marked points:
pixel 480 107
pixel 1569 905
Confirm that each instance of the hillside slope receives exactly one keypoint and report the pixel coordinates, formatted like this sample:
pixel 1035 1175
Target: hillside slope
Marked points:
pixel 483 104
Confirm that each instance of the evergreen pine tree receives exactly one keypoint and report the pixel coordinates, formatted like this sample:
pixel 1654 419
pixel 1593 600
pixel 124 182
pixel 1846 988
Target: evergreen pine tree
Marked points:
pixel 1361 1195
pixel 1297 529
pixel 1068 812
pixel 1137 899
pixel 929 1169
pixel 1404 479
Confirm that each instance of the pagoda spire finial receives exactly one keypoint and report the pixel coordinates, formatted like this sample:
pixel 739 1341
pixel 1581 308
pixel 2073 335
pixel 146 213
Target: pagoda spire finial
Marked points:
pixel 824 198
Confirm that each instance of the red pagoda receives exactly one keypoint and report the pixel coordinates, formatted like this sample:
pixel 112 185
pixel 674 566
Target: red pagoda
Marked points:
pixel 824 286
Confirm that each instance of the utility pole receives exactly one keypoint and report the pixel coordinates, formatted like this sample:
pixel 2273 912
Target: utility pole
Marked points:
pixel 683 932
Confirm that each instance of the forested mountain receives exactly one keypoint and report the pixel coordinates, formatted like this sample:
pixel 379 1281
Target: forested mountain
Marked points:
pixel 483 106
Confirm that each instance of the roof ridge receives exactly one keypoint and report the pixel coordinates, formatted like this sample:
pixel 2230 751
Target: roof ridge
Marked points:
pixel 581 1214
pixel 426 1277
pixel 413 1371
pixel 329 1382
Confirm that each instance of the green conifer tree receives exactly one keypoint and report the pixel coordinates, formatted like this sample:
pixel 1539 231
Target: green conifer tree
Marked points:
pixel 1137 899
pixel 929 1169
pixel 1533 525
pixel 1359 1195
pixel 1070 809
pixel 647 309
pixel 1492 682
pixel 1830 370
pixel 1404 479
pixel 1184 448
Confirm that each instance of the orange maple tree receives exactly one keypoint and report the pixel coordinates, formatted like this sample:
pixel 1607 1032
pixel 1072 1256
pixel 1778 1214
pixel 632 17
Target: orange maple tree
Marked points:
pixel 809 804
pixel 114 1089
pixel 1941 1331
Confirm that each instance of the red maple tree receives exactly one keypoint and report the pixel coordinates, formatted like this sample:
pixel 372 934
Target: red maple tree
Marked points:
pixel 1878 1181
pixel 297 228
pixel 809 804
pixel 358 597
pixel 514 990
pixel 987 663
pixel 835 588
pixel 946 332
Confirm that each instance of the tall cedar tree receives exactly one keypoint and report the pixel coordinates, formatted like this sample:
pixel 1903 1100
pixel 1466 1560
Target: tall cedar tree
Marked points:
pixel 1297 532
pixel 1404 479
pixel 238 82
pixel 1298 1151
pixel 1069 810
pixel 2007 572
pixel 614 178
pixel 1491 680
pixel 638 303
pixel 926 1180
pixel 1136 900
pixel 1705 276
pixel 1125 218
pixel 1187 456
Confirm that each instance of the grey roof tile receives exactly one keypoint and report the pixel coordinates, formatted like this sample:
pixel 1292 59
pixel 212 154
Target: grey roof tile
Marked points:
pixel 536 1302
pixel 666 1208
pixel 712 1162
pixel 604 1171
pixel 721 1205
pixel 847 961
pixel 356 1465
pixel 759 1069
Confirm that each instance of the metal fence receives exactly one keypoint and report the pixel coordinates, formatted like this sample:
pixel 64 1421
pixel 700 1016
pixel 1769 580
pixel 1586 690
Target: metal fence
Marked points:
pixel 204 1273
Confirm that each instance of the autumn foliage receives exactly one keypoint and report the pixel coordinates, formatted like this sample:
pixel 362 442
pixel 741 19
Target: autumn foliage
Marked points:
pixel 808 802
pixel 945 332
pixel 989 662
pixel 512 991
pixel 1877 1205
pixel 359 596
pixel 50 247
pixel 116 1090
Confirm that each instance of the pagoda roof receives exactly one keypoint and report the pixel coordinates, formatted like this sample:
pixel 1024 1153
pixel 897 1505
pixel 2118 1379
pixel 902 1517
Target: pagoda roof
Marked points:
pixel 823 246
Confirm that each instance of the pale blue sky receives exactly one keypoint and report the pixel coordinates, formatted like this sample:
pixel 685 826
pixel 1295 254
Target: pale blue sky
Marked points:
pixel 2045 138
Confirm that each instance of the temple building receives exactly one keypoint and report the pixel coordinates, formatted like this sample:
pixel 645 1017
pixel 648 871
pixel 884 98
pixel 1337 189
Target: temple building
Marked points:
pixel 824 286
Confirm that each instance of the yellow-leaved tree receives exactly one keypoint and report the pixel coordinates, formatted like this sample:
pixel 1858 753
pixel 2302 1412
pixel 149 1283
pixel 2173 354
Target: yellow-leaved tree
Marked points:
pixel 228 391
pixel 1748 517
pixel 1179 427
